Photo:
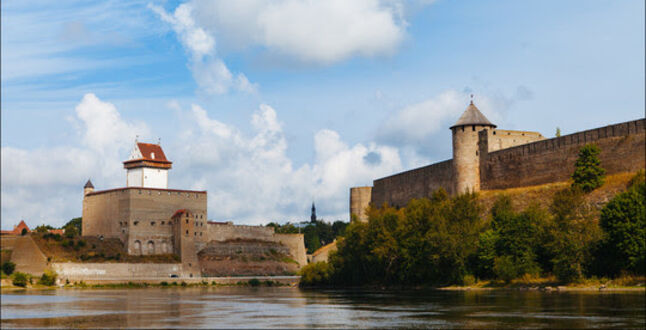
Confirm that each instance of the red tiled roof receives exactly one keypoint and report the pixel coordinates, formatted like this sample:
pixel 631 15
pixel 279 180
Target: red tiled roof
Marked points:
pixel 179 212
pixel 57 231
pixel 151 151
pixel 17 230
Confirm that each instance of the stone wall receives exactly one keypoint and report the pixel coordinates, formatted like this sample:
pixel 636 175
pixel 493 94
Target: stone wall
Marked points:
pixel 622 150
pixel 27 256
pixel 503 139
pixel 228 231
pixel 359 200
pixel 296 245
pixel 84 271
pixel 140 217
pixel 396 190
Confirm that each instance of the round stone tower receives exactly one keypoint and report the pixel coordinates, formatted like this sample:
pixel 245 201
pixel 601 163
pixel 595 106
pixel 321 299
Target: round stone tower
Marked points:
pixel 466 161
pixel 88 188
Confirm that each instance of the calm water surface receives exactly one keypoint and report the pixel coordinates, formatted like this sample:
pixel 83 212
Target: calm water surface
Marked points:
pixel 243 307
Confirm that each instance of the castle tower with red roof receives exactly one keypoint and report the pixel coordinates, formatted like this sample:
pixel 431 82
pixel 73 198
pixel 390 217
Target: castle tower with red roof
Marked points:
pixel 147 167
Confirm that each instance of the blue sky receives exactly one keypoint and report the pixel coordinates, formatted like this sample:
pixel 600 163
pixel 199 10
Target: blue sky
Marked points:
pixel 270 105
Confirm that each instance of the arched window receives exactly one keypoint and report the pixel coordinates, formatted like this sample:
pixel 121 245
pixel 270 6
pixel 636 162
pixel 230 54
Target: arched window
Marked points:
pixel 151 247
pixel 137 248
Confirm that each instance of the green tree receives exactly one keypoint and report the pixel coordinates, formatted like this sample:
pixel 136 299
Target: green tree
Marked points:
pixel 588 173
pixel 574 232
pixel 8 267
pixel 316 274
pixel 43 228
pixel 486 254
pixel 623 220
pixel 75 223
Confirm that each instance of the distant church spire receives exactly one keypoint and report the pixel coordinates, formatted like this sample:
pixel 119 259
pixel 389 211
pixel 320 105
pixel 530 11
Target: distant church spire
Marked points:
pixel 313 217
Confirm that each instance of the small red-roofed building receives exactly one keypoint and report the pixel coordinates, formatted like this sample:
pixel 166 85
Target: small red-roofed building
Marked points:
pixel 147 166
pixel 17 230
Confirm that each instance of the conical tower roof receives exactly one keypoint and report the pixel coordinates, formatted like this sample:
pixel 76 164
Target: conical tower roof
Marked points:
pixel 472 116
pixel 88 184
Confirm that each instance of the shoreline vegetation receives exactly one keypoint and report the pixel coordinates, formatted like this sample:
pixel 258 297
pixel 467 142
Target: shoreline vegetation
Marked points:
pixel 567 238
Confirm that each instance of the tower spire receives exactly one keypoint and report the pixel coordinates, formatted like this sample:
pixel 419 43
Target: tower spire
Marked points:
pixel 313 216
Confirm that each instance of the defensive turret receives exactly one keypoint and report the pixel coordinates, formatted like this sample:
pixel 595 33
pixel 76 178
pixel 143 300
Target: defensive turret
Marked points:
pixel 466 160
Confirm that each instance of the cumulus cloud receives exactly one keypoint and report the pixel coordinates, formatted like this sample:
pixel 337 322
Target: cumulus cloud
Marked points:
pixel 44 185
pixel 421 130
pixel 209 71
pixel 250 178
pixel 312 32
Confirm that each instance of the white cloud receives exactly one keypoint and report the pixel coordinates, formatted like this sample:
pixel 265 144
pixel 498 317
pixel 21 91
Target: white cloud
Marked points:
pixel 209 71
pixel 250 178
pixel 318 32
pixel 44 185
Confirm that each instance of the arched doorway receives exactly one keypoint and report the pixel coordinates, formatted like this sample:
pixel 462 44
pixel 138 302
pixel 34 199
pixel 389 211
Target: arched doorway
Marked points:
pixel 137 248
pixel 151 247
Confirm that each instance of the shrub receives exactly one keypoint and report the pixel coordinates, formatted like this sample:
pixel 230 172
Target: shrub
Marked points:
pixel 588 174
pixel 623 220
pixel 318 273
pixel 164 283
pixel 48 278
pixel 20 279
pixel 254 282
pixel 70 232
pixel 184 283
pixel 468 280
pixel 67 243
pixel 8 267
pixel 505 269
pixel 81 243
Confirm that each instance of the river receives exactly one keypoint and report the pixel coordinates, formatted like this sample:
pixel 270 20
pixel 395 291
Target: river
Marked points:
pixel 285 307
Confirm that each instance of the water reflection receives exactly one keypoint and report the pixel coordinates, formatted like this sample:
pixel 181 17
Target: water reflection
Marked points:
pixel 242 307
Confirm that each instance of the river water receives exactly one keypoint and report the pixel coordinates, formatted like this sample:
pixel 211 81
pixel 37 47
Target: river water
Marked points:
pixel 283 307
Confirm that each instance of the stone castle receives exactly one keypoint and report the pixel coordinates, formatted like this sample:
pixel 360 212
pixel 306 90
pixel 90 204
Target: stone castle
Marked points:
pixel 151 219
pixel 487 158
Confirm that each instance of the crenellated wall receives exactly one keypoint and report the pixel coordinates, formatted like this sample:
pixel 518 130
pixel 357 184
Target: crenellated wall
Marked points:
pixel 396 190
pixel 535 161
pixel 622 150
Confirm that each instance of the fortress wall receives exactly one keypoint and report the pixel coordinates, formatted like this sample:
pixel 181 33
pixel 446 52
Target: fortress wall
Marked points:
pixel 398 189
pixel 96 271
pixel 227 231
pixel 503 139
pixel 152 209
pixel 359 200
pixel 622 149
pixel 102 213
pixel 296 245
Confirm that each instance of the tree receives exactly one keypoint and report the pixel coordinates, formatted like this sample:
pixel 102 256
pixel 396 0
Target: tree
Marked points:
pixel 8 267
pixel 588 173
pixel 75 223
pixel 558 132
pixel 573 234
pixel 623 220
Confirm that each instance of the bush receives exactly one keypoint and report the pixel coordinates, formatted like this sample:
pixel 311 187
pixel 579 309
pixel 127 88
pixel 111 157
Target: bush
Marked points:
pixel 8 267
pixel 48 278
pixel 588 174
pixel 468 280
pixel 20 279
pixel 67 243
pixel 164 283
pixel 505 269
pixel 81 243
pixel 623 220
pixel 254 282
pixel 317 273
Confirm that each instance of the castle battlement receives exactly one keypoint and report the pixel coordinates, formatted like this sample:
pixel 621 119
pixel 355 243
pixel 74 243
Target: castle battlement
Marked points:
pixel 487 158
